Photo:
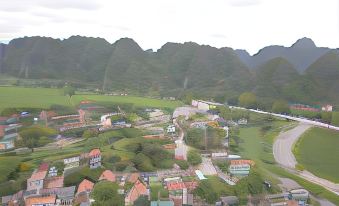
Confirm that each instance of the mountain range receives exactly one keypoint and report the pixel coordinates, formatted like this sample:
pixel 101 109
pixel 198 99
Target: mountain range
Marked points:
pixel 301 73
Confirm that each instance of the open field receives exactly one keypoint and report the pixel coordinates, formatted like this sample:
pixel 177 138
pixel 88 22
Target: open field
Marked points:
pixel 317 150
pixel 137 101
pixel 45 97
pixel 31 97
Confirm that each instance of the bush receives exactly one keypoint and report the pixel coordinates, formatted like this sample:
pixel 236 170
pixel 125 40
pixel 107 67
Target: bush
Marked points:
pixel 193 157
pixel 24 167
pixel 182 164
pixel 299 167
pixel 121 166
pixel 105 193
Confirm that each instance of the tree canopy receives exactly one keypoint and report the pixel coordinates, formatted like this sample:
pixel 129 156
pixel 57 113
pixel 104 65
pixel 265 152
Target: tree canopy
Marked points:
pixel 248 100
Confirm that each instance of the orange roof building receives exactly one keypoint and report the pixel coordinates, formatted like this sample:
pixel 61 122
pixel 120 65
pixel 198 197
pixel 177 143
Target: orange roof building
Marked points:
pixel 107 175
pixel 94 158
pixel 242 162
pixel 133 177
pixel 43 166
pixel 36 181
pixel 46 200
pixel 94 153
pixel 137 190
pixel 176 186
pixel 85 186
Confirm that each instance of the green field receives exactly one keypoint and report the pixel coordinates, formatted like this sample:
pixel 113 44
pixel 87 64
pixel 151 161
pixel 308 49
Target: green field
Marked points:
pixel 317 150
pixel 31 97
pixel 20 97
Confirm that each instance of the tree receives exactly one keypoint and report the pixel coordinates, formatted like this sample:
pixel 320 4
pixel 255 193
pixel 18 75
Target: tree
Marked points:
pixel 69 90
pixel 248 100
pixel 193 157
pixel 106 193
pixel 142 201
pixel 280 107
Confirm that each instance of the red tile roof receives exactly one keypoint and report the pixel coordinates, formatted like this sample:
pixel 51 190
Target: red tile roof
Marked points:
pixel 40 200
pixel 176 186
pixel 107 175
pixel 137 190
pixel 43 166
pixel 85 186
pixel 191 185
pixel 241 162
pixel 94 152
pixel 54 182
pixel 38 175
pixel 133 177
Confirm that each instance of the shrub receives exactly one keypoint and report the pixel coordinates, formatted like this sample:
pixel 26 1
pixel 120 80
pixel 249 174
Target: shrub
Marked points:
pixel 193 157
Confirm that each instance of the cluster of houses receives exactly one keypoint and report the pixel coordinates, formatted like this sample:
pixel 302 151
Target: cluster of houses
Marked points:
pixel 9 131
pixel 304 107
pixel 46 187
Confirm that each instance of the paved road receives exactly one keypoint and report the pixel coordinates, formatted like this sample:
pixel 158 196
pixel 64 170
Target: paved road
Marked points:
pixel 282 147
pixel 301 120
pixel 282 151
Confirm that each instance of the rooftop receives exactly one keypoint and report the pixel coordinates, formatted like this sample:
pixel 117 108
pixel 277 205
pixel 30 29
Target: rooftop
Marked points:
pixel 107 175
pixel 85 185
pixel 43 166
pixel 94 152
pixel 137 190
pixel 38 175
pixel 63 192
pixel 40 200
pixel 162 203
pixel 176 185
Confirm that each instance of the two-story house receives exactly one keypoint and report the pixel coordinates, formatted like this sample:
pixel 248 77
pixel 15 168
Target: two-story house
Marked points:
pixel 94 159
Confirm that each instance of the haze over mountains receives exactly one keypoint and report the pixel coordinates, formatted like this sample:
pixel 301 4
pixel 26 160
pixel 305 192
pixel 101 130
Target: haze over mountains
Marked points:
pixel 300 73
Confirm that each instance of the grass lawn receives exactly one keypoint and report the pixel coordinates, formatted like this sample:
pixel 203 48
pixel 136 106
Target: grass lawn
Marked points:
pixel 8 165
pixel 317 150
pixel 31 97
pixel 158 189
pixel 45 97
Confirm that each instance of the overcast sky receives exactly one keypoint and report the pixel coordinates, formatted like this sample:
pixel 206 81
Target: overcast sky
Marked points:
pixel 240 24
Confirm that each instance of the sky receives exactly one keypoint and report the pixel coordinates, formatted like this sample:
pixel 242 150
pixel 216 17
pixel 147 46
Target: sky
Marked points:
pixel 240 24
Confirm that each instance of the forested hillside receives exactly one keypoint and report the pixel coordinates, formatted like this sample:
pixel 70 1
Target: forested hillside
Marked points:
pixel 176 69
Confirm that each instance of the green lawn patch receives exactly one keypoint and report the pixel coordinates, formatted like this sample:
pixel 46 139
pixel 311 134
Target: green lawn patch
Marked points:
pixel 317 150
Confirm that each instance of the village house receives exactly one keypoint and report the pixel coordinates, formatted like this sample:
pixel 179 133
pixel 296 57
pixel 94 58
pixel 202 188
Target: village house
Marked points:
pixel 107 175
pixel 327 108
pixel 54 182
pixel 85 186
pixel 226 201
pixel 138 189
pixel 205 105
pixel 64 195
pixel 41 201
pixel 13 200
pixel 36 181
pixel 84 190
pixel 71 162
pixel 94 159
